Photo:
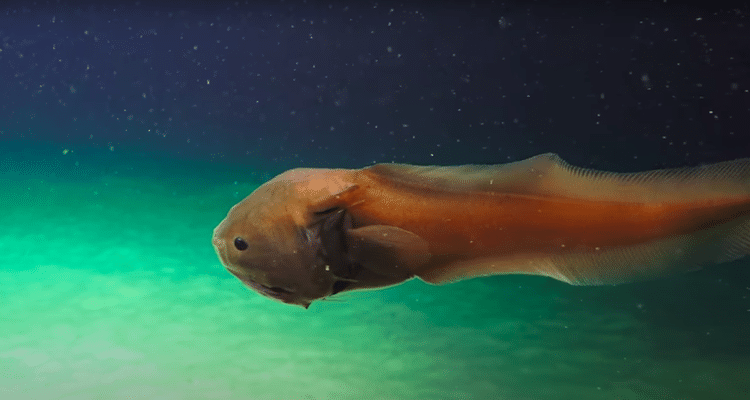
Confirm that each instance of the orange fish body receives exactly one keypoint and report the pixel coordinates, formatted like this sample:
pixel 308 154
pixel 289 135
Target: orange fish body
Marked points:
pixel 381 225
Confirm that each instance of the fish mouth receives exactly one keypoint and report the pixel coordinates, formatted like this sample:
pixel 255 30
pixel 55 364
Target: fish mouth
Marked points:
pixel 273 292
pixel 281 294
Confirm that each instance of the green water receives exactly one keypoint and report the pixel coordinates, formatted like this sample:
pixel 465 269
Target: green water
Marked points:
pixel 109 289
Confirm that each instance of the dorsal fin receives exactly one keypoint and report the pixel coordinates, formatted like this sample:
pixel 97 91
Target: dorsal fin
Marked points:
pixel 548 175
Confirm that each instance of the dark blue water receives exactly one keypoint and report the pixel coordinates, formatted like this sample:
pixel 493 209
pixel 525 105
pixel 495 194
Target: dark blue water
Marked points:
pixel 128 131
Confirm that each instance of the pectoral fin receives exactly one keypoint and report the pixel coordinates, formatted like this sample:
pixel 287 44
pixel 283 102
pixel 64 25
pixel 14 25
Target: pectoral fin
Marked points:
pixel 387 250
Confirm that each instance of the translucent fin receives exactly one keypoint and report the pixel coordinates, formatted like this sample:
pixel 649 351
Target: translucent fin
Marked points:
pixel 548 175
pixel 726 242
pixel 387 250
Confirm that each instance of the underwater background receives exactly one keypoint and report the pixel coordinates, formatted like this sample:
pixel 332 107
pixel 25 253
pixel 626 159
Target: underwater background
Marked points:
pixel 128 129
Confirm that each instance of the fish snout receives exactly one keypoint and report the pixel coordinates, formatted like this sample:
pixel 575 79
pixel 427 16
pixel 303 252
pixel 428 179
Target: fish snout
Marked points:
pixel 217 241
pixel 221 248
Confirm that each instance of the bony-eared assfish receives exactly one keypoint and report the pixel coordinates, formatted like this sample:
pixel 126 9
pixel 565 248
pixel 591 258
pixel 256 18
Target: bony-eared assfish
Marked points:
pixel 311 233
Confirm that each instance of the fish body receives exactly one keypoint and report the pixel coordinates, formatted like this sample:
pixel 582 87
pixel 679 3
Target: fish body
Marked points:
pixel 311 233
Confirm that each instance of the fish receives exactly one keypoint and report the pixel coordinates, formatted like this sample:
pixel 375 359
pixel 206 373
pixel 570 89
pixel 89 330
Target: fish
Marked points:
pixel 311 233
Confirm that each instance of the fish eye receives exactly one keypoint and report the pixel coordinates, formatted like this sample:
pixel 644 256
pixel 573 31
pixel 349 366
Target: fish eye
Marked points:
pixel 240 243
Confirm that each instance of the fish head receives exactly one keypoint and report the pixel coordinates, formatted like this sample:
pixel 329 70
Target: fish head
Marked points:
pixel 275 245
